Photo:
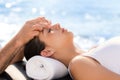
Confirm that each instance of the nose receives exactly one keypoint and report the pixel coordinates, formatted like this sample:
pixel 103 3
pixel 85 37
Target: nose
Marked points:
pixel 56 26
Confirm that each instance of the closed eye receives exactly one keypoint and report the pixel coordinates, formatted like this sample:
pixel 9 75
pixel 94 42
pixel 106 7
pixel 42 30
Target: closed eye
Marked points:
pixel 49 30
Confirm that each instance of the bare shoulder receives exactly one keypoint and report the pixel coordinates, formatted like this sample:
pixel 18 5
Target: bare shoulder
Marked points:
pixel 80 67
pixel 81 61
pixel 85 68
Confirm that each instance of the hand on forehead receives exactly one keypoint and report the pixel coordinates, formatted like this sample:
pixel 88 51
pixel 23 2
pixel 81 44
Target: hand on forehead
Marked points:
pixel 44 23
pixel 40 20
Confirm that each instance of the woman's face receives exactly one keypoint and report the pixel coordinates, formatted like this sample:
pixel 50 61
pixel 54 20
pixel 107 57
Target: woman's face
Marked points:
pixel 56 37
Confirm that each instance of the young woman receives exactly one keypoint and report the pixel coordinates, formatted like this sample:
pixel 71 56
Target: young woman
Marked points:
pixel 56 42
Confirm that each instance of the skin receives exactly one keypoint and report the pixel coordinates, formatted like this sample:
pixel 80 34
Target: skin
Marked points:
pixel 59 45
pixel 13 50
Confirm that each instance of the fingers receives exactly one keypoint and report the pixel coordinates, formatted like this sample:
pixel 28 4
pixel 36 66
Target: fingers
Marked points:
pixel 43 20
pixel 39 23
pixel 37 27
pixel 39 20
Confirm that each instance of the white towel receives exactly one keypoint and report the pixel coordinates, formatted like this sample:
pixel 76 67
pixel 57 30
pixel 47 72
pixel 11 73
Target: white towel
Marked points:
pixel 42 68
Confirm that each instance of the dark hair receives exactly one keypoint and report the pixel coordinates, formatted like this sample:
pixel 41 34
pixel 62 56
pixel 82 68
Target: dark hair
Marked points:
pixel 33 47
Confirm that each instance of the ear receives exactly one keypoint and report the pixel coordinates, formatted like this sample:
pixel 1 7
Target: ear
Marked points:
pixel 47 52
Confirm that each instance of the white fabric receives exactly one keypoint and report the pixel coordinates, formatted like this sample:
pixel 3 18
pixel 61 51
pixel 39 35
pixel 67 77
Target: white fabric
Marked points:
pixel 15 73
pixel 42 68
pixel 108 54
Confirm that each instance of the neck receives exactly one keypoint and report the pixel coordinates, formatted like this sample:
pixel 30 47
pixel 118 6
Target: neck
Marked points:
pixel 68 54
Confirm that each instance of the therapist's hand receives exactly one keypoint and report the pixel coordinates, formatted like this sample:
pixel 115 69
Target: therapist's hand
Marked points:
pixel 31 29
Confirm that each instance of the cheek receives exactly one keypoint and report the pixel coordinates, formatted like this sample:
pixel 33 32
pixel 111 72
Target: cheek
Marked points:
pixel 59 41
pixel 64 40
pixel 67 39
pixel 55 41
